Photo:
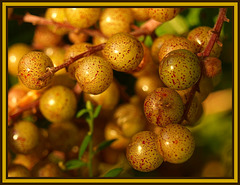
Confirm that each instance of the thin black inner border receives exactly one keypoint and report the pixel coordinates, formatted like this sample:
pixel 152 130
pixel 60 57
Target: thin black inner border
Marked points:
pixel 233 163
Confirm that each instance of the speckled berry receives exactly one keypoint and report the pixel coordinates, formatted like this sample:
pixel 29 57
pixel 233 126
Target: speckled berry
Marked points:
pixel 94 74
pixel 82 17
pixel 175 43
pixel 163 14
pixel 175 143
pixel 200 37
pixel 58 104
pixel 73 51
pixel 142 152
pixel 180 69
pixel 56 15
pixel 77 38
pixel 163 106
pixel 18 171
pixel 123 51
pixel 205 88
pixel 31 67
pixel 15 53
pixel 157 44
pixel 115 20
pixel 140 14
pixel 23 137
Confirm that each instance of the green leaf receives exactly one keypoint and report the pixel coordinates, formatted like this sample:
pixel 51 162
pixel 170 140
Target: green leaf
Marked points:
pixel 81 112
pixel 114 172
pixel 89 106
pixel 74 164
pixel 104 144
pixel 84 145
pixel 97 111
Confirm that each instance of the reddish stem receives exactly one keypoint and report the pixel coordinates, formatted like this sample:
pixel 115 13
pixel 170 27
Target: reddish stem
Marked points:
pixel 29 106
pixel 90 51
pixel 216 32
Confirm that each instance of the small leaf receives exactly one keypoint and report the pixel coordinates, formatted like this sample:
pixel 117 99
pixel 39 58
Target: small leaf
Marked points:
pixel 84 146
pixel 97 111
pixel 114 172
pixel 104 144
pixel 74 164
pixel 89 106
pixel 81 112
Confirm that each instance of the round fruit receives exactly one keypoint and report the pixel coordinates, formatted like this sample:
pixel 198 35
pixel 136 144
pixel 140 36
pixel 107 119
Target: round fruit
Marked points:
pixel 142 152
pixel 46 169
pixel 175 43
pixel 157 44
pixel 43 37
pixel 212 67
pixel 56 15
pixel 94 74
pixel 123 51
pixel 200 37
pixel 180 69
pixel 130 119
pixel 73 51
pixel 140 14
pixel 113 131
pixel 77 38
pixel 23 137
pixel 163 106
pixel 205 88
pixel 63 136
pixel 82 17
pixel 163 14
pixel 175 143
pixel 146 84
pixel 115 20
pixel 31 67
pixel 108 99
pixel 58 104
pixel 15 53
pixel 18 171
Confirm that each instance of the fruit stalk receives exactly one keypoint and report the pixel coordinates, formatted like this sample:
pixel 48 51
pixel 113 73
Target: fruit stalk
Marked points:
pixel 216 32
pixel 52 70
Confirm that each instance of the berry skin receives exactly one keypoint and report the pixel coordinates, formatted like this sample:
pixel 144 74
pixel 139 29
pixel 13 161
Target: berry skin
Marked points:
pixel 31 67
pixel 142 152
pixel 82 17
pixel 123 51
pixel 115 20
pixel 94 74
pixel 23 137
pixel 140 14
pixel 18 171
pixel 163 106
pixel 15 53
pixel 180 69
pixel 175 43
pixel 200 37
pixel 157 44
pixel 56 15
pixel 73 51
pixel 175 143
pixel 58 104
pixel 163 14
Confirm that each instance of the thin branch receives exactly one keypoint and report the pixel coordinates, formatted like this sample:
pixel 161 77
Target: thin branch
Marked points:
pixel 215 32
pixel 20 110
pixel 147 28
pixel 36 20
pixel 52 70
